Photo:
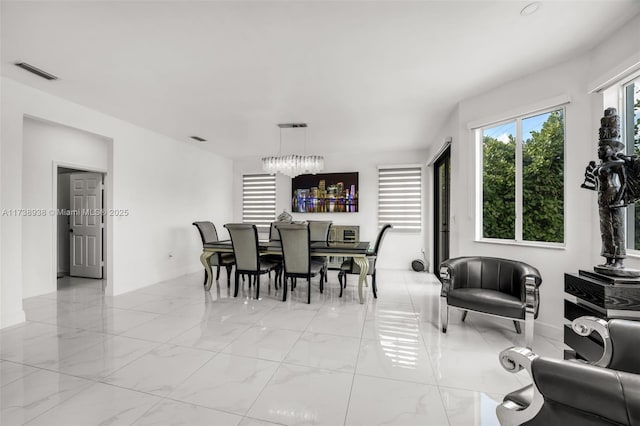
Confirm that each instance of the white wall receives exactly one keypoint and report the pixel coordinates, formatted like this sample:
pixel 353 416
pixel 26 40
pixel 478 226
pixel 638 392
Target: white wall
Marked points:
pixel 582 120
pixel 165 184
pixel 399 248
pixel 44 145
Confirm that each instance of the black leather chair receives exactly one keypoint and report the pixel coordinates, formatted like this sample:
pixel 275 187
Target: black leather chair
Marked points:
pixel 571 393
pixel 208 234
pixel 489 285
pixel 350 267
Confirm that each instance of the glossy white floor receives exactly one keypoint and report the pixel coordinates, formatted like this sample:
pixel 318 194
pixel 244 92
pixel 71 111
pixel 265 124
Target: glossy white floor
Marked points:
pixel 174 354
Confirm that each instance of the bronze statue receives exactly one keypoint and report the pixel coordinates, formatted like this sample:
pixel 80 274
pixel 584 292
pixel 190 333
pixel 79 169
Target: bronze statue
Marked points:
pixel 617 180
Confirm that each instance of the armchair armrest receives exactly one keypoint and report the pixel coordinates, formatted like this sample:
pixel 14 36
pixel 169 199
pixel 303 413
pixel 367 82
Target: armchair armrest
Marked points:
pixel 584 326
pixel 509 412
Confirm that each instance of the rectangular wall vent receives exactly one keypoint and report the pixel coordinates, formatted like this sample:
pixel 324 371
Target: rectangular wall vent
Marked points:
pixel 35 70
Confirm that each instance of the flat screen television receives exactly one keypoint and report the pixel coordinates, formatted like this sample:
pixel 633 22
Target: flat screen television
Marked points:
pixel 325 193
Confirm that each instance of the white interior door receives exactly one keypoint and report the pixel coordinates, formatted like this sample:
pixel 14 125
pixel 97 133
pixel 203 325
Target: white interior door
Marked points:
pixel 86 225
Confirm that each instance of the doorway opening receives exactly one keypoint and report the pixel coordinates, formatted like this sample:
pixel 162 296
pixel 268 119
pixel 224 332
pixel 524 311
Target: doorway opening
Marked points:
pixel 80 227
pixel 441 202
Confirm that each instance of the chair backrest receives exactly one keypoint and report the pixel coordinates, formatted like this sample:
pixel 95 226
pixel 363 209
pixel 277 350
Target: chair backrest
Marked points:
pixel 380 238
pixel 319 229
pixel 295 240
pixel 625 340
pixel 207 230
pixel 244 239
pixel 273 232
pixel 492 273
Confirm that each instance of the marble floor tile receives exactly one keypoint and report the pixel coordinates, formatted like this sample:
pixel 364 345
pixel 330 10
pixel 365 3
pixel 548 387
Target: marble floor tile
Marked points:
pixel 249 421
pixel 162 328
pixel 376 401
pixel 32 395
pixel 288 318
pixel 325 351
pixel 228 383
pixel 46 350
pixel 161 370
pixel 129 300
pixel 162 306
pixel 304 396
pixel 177 413
pixel 473 370
pixel 395 359
pixel 470 408
pixel 334 320
pixel 99 404
pixel 211 335
pixel 12 371
pixel 265 343
pixel 98 361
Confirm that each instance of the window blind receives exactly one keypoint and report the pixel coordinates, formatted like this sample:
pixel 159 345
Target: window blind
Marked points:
pixel 400 198
pixel 259 200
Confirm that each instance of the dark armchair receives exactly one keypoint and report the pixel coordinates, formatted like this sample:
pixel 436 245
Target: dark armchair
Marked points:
pixel 576 393
pixel 489 285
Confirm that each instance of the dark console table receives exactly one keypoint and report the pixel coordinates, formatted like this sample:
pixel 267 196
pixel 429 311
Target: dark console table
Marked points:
pixel 602 296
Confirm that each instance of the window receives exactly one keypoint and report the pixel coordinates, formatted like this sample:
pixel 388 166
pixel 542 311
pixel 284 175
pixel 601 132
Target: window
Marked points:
pixel 522 178
pixel 631 132
pixel 400 197
pixel 259 200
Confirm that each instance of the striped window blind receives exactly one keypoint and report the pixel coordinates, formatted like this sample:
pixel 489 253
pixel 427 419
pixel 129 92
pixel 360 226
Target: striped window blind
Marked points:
pixel 400 197
pixel 259 200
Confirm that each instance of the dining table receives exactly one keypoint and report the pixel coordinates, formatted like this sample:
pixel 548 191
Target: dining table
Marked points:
pixel 360 252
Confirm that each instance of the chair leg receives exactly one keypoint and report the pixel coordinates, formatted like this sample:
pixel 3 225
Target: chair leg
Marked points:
pixel 218 273
pixel 309 292
pixel 235 293
pixel 257 286
pixel 517 325
pixel 205 277
pixel 228 276
pixel 340 281
pixel 374 287
pixel 321 281
pixel 464 315
pixel 284 289
pixel 444 314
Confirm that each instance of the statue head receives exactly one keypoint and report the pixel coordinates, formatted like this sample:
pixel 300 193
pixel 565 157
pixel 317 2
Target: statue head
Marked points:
pixel 609 133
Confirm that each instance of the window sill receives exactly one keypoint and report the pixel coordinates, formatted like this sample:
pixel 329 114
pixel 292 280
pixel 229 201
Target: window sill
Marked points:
pixel 552 246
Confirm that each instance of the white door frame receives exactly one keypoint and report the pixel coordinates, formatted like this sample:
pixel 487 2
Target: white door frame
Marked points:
pixel 106 205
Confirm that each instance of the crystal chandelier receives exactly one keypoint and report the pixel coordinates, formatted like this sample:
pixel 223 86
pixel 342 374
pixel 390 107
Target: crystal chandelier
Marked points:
pixel 292 165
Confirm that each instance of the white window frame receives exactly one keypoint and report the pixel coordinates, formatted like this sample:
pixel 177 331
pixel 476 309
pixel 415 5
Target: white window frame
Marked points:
pixel 259 201
pixel 518 118
pixel 400 216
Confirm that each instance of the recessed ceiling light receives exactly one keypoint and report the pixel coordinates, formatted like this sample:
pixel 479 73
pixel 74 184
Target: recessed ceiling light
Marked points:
pixel 198 138
pixel 530 9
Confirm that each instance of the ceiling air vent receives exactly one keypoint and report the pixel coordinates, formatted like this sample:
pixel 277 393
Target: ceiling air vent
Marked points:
pixel 198 138
pixel 35 70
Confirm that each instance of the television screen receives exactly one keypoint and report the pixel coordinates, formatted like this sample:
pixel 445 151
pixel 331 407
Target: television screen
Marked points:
pixel 325 193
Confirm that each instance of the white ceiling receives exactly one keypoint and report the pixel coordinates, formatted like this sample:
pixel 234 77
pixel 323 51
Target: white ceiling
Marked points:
pixel 366 76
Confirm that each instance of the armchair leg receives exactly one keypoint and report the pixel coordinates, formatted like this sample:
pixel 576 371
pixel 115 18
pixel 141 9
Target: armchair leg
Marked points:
pixel 529 321
pixel 517 326
pixel 444 314
pixel 205 277
pixel 464 315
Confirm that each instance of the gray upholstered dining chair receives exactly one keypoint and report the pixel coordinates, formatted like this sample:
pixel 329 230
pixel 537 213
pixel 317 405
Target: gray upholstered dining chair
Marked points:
pixel 490 285
pixel 296 251
pixel 350 267
pixel 564 392
pixel 208 234
pixel 319 231
pixel 244 239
